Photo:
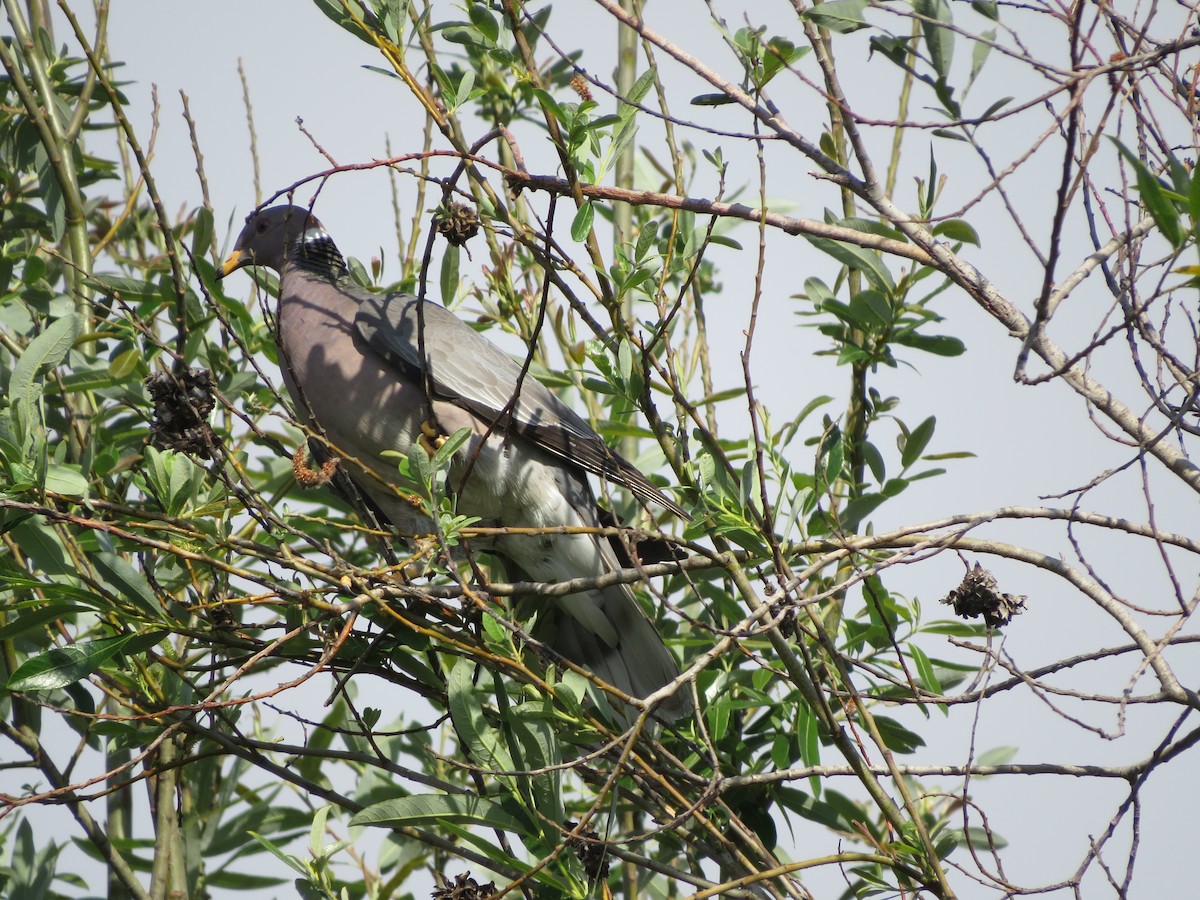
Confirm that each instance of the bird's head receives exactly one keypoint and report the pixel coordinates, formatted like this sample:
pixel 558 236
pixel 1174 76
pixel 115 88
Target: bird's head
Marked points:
pixel 273 236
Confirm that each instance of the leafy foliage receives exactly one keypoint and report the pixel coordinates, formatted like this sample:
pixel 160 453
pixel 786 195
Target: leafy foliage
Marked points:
pixel 167 585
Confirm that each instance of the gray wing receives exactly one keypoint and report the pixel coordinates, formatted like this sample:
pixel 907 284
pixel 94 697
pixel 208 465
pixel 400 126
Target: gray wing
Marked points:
pixel 470 371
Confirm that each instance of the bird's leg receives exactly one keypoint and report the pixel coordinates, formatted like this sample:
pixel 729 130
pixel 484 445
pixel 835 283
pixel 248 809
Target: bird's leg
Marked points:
pixel 431 438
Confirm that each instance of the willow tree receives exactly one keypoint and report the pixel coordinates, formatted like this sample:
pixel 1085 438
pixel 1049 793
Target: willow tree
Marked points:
pixel 182 591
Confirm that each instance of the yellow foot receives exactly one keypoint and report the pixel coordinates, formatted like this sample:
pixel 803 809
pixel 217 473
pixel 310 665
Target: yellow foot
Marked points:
pixel 431 438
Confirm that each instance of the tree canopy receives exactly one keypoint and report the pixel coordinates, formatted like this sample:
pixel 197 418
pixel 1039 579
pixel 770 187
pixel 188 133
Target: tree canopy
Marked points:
pixel 233 676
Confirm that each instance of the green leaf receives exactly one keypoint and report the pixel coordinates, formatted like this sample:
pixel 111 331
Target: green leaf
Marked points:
pixel 65 479
pixel 129 289
pixel 430 809
pixel 45 351
pixel 834 455
pixel 420 467
pixel 127 581
pixel 937 344
pixel 858 258
pixel 35 618
pixel 316 833
pixel 337 13
pixel 874 461
pixel 722 396
pixel 125 364
pixel 808 736
pixel 540 744
pixel 241 881
pixel 915 442
pixel 945 844
pixel 483 19
pixel 450 446
pixel 555 108
pixel 925 670
pixel 1154 196
pixel 466 701
pixel 33 864
pixel 448 277
pixel 898 738
pixel 996 107
pixel 462 93
pixel 842 16
pixel 955 628
pixel 721 240
pixel 997 756
pixel 712 100
pixel 642 86
pixel 66 665
pixel 939 39
pixel 817 291
pixel 778 54
pixel 872 310
pixel 395 15
pixel 854 512
pixel 1194 196
pixel 202 233
pixel 979 54
pixel 52 197
pixel 987 8
pixel 277 851
pixel 42 544
pixel 835 811
pixel 581 226
pixel 957 230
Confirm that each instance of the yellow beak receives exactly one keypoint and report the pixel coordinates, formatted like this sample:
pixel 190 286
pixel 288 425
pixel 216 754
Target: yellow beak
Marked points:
pixel 235 261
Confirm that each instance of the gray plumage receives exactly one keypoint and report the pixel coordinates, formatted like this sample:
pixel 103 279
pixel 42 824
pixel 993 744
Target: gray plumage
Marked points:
pixel 352 363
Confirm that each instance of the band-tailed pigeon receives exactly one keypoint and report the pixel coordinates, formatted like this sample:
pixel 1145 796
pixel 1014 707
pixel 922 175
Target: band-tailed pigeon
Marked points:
pixel 352 362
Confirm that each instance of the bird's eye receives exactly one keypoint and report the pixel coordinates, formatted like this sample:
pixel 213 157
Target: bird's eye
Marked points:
pixel 261 225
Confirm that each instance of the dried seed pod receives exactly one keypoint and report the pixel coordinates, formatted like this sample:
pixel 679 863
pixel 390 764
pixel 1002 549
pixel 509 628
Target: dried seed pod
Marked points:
pixel 464 887
pixel 978 596
pixel 591 852
pixel 183 401
pixel 458 223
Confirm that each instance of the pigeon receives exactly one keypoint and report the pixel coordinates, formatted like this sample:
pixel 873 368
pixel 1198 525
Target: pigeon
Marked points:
pixel 370 371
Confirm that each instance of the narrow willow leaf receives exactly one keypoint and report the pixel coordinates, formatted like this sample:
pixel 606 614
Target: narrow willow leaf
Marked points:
pixel 939 39
pixel 842 16
pixel 483 742
pixel 448 277
pixel 126 581
pixel 66 665
pixel 66 479
pixel 937 344
pixel 45 351
pixel 916 442
pixel 581 226
pixel 925 670
pixel 712 100
pixel 1154 196
pixel 430 809
pixel 642 86
pixel 957 230
pixel 37 617
pixel 858 258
